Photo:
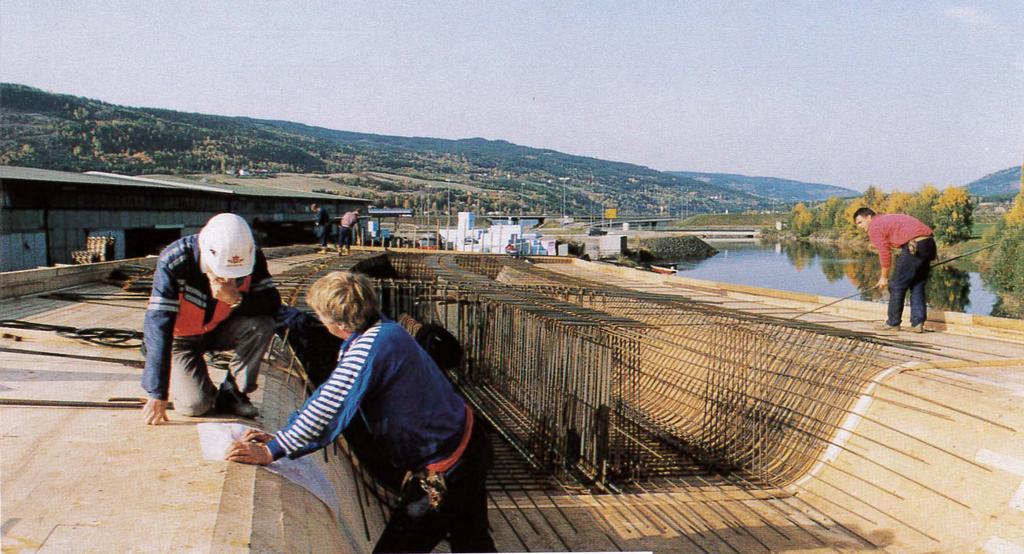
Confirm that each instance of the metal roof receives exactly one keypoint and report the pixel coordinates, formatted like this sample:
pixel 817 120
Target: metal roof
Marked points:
pixel 33 174
pixel 390 212
pixel 111 179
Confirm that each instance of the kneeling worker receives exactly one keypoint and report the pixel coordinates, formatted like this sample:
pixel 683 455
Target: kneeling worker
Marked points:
pixel 412 412
pixel 211 292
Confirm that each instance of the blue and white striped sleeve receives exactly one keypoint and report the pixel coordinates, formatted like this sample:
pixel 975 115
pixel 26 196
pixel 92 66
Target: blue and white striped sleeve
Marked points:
pixel 158 324
pixel 332 406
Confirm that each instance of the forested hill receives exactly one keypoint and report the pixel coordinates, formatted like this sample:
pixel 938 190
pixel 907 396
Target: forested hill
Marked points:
pixel 1001 183
pixel 59 131
pixel 784 190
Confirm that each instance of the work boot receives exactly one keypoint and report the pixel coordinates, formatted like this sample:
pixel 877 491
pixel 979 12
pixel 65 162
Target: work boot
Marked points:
pixel 884 326
pixel 919 328
pixel 232 401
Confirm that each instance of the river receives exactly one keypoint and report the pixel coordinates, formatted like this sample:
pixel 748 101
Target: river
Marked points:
pixel 829 271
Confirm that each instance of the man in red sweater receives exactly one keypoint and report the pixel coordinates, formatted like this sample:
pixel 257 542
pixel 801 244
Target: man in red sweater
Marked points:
pixel 917 250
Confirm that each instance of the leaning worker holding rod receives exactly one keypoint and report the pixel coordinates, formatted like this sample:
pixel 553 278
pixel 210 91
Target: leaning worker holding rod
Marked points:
pixel 412 412
pixel 917 250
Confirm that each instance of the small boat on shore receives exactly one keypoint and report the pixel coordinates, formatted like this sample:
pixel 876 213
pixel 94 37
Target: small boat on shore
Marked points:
pixel 663 270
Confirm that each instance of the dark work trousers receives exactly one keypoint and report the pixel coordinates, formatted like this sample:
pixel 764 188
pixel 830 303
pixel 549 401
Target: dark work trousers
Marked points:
pixel 911 273
pixel 192 390
pixel 323 232
pixel 344 236
pixel 462 518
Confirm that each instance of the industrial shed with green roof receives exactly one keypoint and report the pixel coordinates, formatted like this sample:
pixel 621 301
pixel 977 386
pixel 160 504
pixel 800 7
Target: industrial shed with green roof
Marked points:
pixel 47 215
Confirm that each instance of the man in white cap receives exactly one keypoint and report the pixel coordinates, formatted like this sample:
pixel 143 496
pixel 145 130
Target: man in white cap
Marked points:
pixel 211 292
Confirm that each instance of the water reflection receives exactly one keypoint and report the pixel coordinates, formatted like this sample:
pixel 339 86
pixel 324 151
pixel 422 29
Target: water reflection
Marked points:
pixel 832 270
pixel 949 289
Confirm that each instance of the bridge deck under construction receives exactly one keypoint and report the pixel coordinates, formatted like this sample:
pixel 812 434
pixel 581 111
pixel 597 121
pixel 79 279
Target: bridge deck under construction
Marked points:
pixel 629 412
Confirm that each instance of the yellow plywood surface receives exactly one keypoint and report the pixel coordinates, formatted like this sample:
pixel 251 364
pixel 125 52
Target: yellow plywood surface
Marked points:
pixel 934 462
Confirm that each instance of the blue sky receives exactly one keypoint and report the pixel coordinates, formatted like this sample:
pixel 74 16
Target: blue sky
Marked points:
pixel 895 94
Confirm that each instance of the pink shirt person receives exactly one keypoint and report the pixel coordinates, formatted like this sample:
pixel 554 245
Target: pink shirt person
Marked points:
pixel 350 218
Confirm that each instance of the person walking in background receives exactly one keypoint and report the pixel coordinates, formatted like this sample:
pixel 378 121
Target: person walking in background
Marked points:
pixel 211 292
pixel 321 224
pixel 346 231
pixel 413 414
pixel 913 265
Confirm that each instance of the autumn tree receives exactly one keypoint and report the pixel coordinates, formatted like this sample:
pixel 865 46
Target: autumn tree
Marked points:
pixel 801 220
pixel 1007 271
pixel 825 214
pixel 874 198
pixel 953 215
pixel 899 203
pixel 1016 214
pixel 846 221
pixel 922 205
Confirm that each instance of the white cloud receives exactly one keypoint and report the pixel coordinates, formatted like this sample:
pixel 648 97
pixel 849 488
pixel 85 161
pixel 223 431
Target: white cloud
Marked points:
pixel 966 14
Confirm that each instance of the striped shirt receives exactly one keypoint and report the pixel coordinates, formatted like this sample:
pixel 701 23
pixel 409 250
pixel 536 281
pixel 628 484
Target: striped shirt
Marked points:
pixel 412 412
pixel 328 404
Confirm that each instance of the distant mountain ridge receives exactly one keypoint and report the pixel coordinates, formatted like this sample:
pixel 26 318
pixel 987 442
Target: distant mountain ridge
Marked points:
pixel 59 131
pixel 1000 183
pixel 774 188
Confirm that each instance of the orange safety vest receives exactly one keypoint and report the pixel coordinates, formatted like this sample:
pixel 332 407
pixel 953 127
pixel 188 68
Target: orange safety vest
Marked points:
pixel 189 322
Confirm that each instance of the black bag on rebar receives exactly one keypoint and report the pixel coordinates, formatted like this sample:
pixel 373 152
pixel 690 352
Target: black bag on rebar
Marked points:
pixel 314 346
pixel 442 346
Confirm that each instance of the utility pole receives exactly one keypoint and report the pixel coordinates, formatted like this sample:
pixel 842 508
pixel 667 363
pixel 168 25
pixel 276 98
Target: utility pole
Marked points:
pixel 563 199
pixel 522 200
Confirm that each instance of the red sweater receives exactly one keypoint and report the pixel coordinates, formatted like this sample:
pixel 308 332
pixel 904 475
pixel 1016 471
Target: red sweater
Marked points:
pixel 893 231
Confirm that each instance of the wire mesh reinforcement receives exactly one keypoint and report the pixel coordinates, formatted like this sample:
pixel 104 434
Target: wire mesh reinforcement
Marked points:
pixel 608 384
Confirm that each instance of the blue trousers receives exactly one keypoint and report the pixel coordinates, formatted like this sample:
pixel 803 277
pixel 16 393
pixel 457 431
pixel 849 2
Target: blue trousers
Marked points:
pixel 911 274
pixel 323 232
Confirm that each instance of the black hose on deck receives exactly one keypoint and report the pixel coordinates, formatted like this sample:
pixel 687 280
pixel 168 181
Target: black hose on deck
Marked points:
pixel 104 336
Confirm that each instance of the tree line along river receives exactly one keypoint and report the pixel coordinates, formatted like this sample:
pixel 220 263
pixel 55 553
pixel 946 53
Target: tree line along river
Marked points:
pixel 829 270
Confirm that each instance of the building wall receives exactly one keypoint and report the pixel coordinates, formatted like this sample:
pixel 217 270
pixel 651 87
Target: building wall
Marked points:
pixel 41 223
pixel 22 250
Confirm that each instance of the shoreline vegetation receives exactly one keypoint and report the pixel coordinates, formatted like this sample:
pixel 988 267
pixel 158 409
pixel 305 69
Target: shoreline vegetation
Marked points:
pixel 960 227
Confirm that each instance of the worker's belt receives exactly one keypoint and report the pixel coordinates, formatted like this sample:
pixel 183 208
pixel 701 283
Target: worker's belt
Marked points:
pixel 912 243
pixel 444 465
pixel 423 491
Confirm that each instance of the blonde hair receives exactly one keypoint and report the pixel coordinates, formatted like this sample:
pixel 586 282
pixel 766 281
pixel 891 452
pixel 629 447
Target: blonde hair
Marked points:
pixel 346 298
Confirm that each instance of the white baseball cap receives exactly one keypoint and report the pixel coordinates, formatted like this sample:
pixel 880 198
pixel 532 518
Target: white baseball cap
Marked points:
pixel 226 246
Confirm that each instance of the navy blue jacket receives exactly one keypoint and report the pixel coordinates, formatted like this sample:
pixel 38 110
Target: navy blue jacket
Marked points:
pixel 413 413
pixel 178 278
pixel 323 220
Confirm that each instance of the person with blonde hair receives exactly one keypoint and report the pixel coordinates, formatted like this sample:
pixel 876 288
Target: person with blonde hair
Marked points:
pixel 413 414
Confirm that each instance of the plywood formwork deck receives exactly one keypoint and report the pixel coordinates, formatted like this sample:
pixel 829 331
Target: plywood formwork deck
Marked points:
pixel 932 460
